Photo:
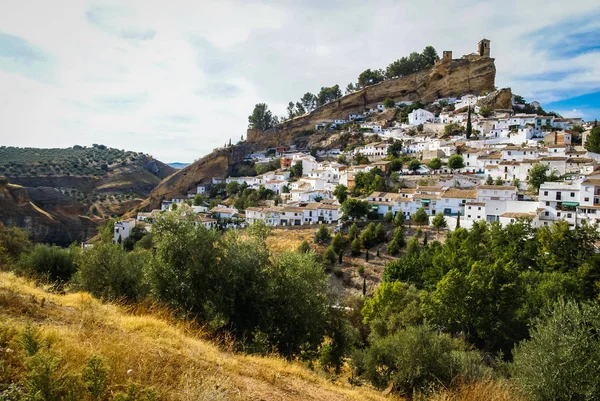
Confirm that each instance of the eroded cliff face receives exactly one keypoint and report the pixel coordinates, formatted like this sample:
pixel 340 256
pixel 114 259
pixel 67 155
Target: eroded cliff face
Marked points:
pixel 17 210
pixel 449 79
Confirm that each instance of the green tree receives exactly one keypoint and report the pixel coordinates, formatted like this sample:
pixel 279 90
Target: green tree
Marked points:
pixel 329 257
pixel 370 77
pixel 395 148
pixel 399 219
pixel 338 243
pixel 296 170
pixel 469 130
pixel 304 247
pixel 309 101
pixel 199 199
pixel 456 162
pixel 341 193
pixel 435 164
pixel 328 94
pixel 388 217
pixel 322 234
pixel 499 181
pixel 421 217
pixel 355 208
pixel 560 360
pixel 489 180
pixel 353 232
pixel 453 129
pixel 393 248
pixel 439 222
pixel 48 262
pixel 414 164
pixel 232 188
pixel 380 233
pixel 389 103
pixel 261 118
pixel 356 247
pixel 538 174
pixel 369 236
pixel 593 140
pixel 394 306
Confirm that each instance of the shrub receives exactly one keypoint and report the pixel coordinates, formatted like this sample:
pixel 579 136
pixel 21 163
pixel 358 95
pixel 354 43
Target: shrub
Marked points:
pixel 108 272
pixel 304 247
pixel 561 360
pixel 393 248
pixel 360 270
pixel 329 257
pixel 355 247
pixel 322 235
pixel 417 359
pixel 50 262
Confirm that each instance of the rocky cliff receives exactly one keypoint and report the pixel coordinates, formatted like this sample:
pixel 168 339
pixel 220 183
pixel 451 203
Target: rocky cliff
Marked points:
pixel 448 79
pixel 17 209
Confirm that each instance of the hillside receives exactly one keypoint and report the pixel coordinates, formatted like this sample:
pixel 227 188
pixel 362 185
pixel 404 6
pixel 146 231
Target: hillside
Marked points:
pixel 168 356
pixel 80 187
pixel 471 74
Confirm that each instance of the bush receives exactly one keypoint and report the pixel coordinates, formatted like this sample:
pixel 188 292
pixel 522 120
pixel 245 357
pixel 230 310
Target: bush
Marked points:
pixel 329 257
pixel 323 234
pixel 304 247
pixel 355 247
pixel 417 359
pixel 393 248
pixel 108 272
pixel 561 360
pixel 49 262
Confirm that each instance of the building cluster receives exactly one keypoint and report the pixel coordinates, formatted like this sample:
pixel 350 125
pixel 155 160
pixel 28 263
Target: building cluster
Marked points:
pixel 503 148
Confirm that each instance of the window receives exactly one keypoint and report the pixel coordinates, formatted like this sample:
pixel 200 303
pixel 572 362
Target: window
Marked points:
pixel 546 213
pixel 469 216
pixel 586 199
pixel 547 203
pixel 558 214
pixel 545 193
pixel 569 215
pixel 558 196
pixel 479 208
pixel 572 194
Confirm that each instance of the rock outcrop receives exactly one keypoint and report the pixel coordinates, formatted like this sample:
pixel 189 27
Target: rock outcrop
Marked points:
pixel 497 100
pixel 17 210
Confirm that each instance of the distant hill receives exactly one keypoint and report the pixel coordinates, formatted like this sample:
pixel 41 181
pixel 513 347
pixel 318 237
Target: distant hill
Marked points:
pixel 178 165
pixel 94 183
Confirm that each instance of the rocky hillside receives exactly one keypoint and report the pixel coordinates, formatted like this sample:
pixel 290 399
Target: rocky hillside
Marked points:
pixel 468 75
pixel 17 209
pixel 78 187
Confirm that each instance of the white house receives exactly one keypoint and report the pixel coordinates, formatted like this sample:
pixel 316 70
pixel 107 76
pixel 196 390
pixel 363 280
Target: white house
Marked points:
pixel 122 230
pixel 420 116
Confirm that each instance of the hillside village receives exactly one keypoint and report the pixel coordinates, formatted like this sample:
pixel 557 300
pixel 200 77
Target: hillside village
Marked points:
pixel 466 162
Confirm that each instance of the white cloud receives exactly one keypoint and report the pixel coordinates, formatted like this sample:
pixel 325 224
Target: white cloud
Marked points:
pixel 176 79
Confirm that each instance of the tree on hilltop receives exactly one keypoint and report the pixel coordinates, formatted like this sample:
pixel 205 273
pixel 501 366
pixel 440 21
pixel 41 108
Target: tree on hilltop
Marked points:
pixel 261 118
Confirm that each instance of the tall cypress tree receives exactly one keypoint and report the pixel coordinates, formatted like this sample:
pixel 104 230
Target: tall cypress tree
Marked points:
pixel 458 220
pixel 469 126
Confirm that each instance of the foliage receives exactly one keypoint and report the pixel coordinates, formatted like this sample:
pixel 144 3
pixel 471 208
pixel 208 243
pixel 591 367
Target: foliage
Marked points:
pixel 49 262
pixel 367 182
pixel 368 236
pixel 329 257
pixel 356 247
pixel 370 77
pixel 538 174
pixel 13 242
pixel 415 62
pixel 399 219
pixel 417 359
pixel 395 148
pixel 296 169
pixel 435 164
pixel 109 272
pixel 199 199
pixel 469 129
pixel 341 193
pixel 304 247
pixel 421 217
pixel 485 112
pixel 414 164
pixel 394 306
pixel 322 234
pixel 261 118
pixel 388 217
pixel 593 140
pixel 353 231
pixel 389 103
pixel 456 162
pixel 453 129
pixel 338 242
pixel 561 360
pixel 354 208
pixel 328 94
pixel 439 221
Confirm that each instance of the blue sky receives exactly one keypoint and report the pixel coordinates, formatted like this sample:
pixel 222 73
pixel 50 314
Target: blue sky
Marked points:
pixel 177 79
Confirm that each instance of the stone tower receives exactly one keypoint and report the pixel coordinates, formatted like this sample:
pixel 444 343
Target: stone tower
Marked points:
pixel 483 48
pixel 447 55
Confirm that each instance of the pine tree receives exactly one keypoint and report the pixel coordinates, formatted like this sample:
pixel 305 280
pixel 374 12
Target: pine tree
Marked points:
pixel 364 286
pixel 355 247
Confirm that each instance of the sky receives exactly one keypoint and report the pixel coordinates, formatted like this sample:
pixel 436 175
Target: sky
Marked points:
pixel 178 78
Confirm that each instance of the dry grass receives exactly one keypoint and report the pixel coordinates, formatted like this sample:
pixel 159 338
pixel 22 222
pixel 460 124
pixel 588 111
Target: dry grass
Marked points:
pixel 282 239
pixel 171 358
pixel 485 390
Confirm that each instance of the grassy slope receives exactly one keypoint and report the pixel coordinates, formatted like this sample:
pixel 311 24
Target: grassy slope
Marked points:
pixel 164 354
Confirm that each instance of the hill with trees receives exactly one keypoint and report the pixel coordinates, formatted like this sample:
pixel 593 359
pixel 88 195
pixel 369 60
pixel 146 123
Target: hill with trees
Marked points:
pixel 78 185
